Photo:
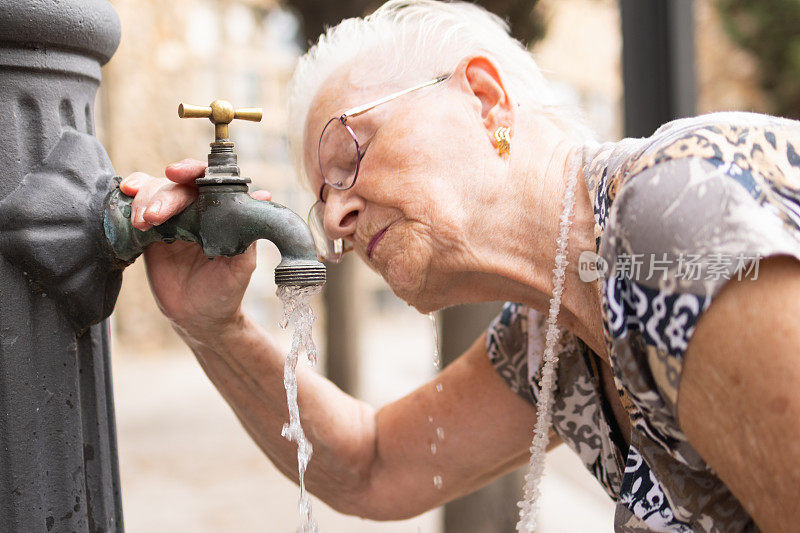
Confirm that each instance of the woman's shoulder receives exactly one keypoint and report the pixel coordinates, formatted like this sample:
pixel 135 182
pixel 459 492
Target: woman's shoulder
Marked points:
pixel 762 143
pixel 723 183
pixel 766 144
pixel 758 152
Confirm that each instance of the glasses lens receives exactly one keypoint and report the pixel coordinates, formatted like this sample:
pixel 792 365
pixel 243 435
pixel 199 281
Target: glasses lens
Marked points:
pixel 328 250
pixel 338 155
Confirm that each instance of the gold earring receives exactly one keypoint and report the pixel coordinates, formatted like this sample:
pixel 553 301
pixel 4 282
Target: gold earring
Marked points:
pixel 503 140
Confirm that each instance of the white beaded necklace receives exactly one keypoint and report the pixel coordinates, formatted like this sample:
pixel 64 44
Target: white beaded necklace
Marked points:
pixel 529 503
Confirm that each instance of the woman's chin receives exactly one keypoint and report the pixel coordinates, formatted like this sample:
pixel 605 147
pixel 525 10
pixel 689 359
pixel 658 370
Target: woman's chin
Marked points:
pixel 409 284
pixel 404 262
pixel 426 307
pixel 417 293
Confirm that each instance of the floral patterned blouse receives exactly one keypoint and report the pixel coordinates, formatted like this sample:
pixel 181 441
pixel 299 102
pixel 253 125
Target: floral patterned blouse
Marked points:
pixel 677 215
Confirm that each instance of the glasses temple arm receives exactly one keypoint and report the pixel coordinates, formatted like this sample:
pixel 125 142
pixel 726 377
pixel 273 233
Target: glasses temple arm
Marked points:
pixel 354 112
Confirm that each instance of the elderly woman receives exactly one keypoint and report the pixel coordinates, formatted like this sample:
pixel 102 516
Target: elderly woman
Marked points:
pixel 664 270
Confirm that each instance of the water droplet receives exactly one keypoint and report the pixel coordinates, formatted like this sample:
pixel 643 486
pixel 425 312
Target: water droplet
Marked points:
pixel 430 420
pixel 437 360
pixel 440 433
pixel 439 387
pixel 433 448
pixel 437 482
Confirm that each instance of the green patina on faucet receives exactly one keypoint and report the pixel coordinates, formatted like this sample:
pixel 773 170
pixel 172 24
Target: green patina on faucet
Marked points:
pixel 224 219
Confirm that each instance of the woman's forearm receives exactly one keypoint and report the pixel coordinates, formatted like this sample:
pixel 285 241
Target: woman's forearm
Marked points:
pixel 247 368
pixel 377 465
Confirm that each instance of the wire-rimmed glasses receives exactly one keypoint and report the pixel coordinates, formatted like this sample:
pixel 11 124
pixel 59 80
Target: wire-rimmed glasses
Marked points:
pixel 339 155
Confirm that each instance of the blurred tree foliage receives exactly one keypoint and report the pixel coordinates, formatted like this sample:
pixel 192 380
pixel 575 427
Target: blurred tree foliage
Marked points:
pixel 770 29
pixel 526 21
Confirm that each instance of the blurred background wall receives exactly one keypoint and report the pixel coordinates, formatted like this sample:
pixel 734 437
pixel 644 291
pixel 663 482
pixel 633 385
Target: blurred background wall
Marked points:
pixel 185 462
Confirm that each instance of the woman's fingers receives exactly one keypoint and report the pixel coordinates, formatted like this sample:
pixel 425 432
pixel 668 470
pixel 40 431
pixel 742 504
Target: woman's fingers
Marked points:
pixel 185 171
pixel 157 200
pixel 169 200
pixel 261 195
pixel 139 186
pixel 131 184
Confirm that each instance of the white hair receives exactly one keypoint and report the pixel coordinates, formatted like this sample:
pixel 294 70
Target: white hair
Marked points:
pixel 422 39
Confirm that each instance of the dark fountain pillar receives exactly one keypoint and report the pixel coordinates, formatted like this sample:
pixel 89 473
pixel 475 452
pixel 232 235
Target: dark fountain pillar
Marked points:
pixel 58 459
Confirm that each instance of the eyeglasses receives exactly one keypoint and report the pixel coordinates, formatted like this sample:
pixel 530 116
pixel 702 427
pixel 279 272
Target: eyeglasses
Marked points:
pixel 339 155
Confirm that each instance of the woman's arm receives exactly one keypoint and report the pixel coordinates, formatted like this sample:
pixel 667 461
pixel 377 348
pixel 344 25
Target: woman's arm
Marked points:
pixel 739 396
pixel 375 464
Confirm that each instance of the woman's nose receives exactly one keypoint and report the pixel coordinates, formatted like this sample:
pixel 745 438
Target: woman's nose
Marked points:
pixel 341 213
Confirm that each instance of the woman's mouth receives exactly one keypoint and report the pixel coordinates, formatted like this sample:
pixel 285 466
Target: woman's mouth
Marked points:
pixel 373 242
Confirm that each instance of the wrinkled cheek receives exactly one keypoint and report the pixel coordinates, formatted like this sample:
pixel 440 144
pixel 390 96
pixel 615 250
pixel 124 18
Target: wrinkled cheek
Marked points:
pixel 405 275
pixel 399 278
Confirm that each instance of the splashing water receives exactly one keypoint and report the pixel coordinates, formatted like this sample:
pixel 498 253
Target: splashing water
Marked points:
pixel 297 313
pixel 437 359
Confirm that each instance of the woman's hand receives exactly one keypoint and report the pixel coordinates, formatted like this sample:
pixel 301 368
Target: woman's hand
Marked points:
pixel 199 296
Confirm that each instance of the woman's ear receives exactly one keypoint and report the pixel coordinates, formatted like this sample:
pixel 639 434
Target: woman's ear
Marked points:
pixel 482 79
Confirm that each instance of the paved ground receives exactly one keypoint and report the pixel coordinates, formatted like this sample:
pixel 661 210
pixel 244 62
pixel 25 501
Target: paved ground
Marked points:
pixel 187 465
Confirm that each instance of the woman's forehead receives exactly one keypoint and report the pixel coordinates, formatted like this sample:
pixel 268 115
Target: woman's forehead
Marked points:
pixel 339 93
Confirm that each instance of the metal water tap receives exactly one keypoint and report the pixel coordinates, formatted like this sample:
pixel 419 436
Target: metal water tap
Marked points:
pixel 224 219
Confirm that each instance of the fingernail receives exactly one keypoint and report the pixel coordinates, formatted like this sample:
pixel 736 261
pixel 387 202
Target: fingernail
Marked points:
pixel 133 182
pixel 139 215
pixel 154 208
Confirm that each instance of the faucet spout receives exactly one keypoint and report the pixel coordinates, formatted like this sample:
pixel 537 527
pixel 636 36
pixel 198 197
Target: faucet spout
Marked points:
pixel 225 221
pixel 288 231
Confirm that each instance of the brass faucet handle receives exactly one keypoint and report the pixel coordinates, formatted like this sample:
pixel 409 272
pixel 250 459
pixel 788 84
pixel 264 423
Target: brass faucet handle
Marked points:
pixel 221 113
pixel 253 114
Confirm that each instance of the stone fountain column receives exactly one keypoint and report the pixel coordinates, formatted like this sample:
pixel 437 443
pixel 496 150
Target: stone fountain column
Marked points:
pixel 58 456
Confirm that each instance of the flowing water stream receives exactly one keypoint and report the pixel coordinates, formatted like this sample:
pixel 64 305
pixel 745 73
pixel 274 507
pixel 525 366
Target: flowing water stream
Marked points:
pixel 298 314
